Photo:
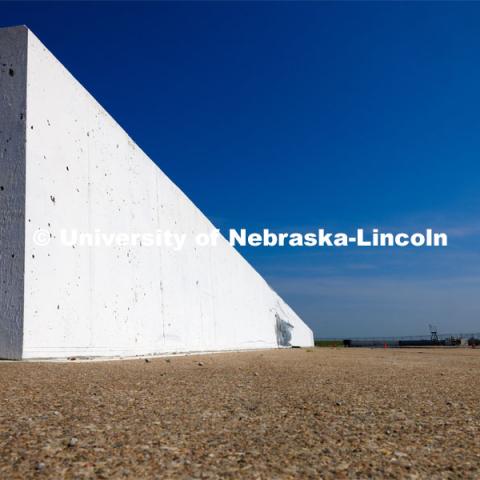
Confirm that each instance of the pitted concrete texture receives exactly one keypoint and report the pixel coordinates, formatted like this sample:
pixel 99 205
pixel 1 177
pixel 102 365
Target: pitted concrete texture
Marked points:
pixel 68 169
pixel 13 91
pixel 317 413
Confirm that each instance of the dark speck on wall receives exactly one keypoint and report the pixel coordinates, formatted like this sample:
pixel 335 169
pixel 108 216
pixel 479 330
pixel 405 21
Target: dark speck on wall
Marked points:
pixel 11 72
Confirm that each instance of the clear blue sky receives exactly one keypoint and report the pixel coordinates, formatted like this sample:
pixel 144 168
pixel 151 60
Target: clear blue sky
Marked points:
pixel 300 115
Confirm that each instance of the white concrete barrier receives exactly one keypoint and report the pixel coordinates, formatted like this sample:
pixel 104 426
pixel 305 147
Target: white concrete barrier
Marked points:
pixel 66 165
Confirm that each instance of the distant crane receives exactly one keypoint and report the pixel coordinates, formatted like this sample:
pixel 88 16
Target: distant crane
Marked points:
pixel 433 333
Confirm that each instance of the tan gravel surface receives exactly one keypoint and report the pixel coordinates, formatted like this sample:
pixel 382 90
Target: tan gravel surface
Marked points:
pixel 317 413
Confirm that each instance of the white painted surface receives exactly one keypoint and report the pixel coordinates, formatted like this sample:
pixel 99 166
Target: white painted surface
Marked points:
pixel 123 301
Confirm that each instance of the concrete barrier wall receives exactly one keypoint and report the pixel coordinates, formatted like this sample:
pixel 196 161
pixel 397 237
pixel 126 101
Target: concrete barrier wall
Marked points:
pixel 13 72
pixel 83 172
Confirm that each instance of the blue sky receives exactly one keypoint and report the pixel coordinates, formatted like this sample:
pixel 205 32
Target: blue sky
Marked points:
pixel 295 116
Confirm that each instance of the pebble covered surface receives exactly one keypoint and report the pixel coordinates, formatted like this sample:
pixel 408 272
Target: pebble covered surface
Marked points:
pixel 297 413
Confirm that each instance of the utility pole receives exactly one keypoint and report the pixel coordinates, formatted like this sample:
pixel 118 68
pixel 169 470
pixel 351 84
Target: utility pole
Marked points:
pixel 433 333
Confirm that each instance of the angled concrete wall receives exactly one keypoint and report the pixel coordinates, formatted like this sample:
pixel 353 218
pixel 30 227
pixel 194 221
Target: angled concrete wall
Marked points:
pixel 81 171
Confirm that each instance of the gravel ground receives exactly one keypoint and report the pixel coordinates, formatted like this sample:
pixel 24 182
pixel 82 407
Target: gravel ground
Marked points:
pixel 316 413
